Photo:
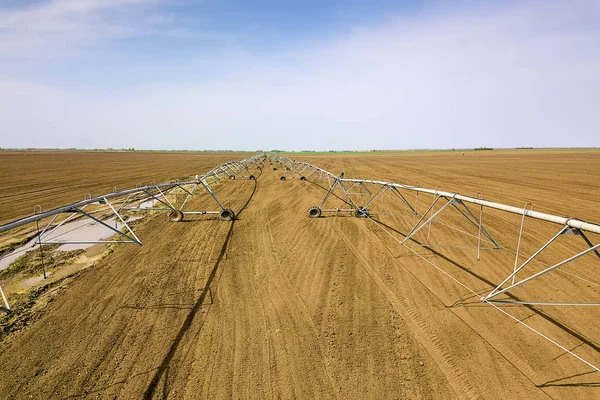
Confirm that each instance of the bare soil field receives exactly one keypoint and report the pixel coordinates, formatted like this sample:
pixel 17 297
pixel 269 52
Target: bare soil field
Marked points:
pixel 277 305
pixel 55 178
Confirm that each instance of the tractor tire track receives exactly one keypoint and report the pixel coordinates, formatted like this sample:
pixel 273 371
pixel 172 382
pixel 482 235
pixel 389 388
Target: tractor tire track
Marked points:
pixel 430 341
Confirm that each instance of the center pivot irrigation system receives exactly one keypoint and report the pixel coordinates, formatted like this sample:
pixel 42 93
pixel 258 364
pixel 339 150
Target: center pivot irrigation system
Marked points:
pixel 399 203
pixel 108 210
pixel 364 198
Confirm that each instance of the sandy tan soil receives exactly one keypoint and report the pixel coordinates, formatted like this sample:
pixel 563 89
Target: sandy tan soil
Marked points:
pixel 278 305
pixel 54 178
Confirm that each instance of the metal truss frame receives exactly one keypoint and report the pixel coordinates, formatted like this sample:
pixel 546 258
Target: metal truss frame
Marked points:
pixel 115 203
pixel 568 226
pixel 459 203
pixel 154 191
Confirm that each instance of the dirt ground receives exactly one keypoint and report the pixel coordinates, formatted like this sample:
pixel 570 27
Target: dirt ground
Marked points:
pixel 277 305
pixel 55 178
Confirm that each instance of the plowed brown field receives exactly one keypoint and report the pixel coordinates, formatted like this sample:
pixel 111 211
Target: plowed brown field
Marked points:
pixel 52 179
pixel 277 305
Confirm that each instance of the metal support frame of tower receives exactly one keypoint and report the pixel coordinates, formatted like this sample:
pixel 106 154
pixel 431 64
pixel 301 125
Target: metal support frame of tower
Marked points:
pixel 458 202
pixel 130 200
pixel 160 195
pixel 568 225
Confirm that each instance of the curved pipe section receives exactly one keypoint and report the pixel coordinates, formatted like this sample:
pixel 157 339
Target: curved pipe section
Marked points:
pixel 227 169
pixel 570 222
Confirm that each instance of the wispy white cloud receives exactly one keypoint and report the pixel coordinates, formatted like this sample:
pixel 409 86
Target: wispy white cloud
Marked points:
pixel 525 74
pixel 64 25
pixel 60 15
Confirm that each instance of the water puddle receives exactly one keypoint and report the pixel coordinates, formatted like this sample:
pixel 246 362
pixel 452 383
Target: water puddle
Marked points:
pixel 85 260
pixel 77 231
pixel 148 203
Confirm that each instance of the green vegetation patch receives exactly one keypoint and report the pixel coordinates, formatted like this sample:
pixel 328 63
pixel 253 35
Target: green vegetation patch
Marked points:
pixel 9 248
pixel 30 263
pixel 29 306
pixel 21 314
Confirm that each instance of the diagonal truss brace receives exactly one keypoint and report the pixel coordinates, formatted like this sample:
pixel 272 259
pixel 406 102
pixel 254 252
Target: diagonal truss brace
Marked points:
pixel 130 237
pixel 475 221
pixel 190 193
pixel 403 199
pixel 6 306
pixel 455 203
pixel 162 198
pixel 418 226
pixel 212 194
pixel 338 182
pixel 362 185
pixel 497 291
pixel 167 204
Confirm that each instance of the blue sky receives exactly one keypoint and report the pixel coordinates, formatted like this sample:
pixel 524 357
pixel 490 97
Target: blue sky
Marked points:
pixel 185 74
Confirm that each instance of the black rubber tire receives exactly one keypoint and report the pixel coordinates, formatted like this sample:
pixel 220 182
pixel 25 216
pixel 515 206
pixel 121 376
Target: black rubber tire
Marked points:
pixel 362 212
pixel 314 212
pixel 282 178
pixel 259 168
pixel 287 169
pixel 227 214
pixel 302 178
pixel 252 178
pixel 175 216
pixel 274 169
pixel 232 177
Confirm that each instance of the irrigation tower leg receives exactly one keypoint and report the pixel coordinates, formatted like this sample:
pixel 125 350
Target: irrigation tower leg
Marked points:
pixel 553 267
pixel 416 227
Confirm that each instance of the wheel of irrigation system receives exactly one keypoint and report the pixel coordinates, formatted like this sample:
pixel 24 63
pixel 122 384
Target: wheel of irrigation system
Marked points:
pixel 282 178
pixel 287 168
pixel 274 169
pixel 314 212
pixel 175 216
pixel 302 178
pixel 227 214
pixel 232 177
pixel 259 168
pixel 362 212
pixel 252 178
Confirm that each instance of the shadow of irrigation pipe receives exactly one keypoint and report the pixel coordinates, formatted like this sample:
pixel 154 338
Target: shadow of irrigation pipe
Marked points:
pixel 544 315
pixel 531 308
pixel 164 365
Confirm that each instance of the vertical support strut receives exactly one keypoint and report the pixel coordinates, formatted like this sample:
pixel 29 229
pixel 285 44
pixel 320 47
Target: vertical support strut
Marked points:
pixel 416 204
pixel 122 221
pixel 519 241
pixel 495 292
pixel 133 239
pixel 417 228
pixel 479 196
pixel 346 192
pixel 431 219
pixel 560 264
pixel 476 222
pixel 39 235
